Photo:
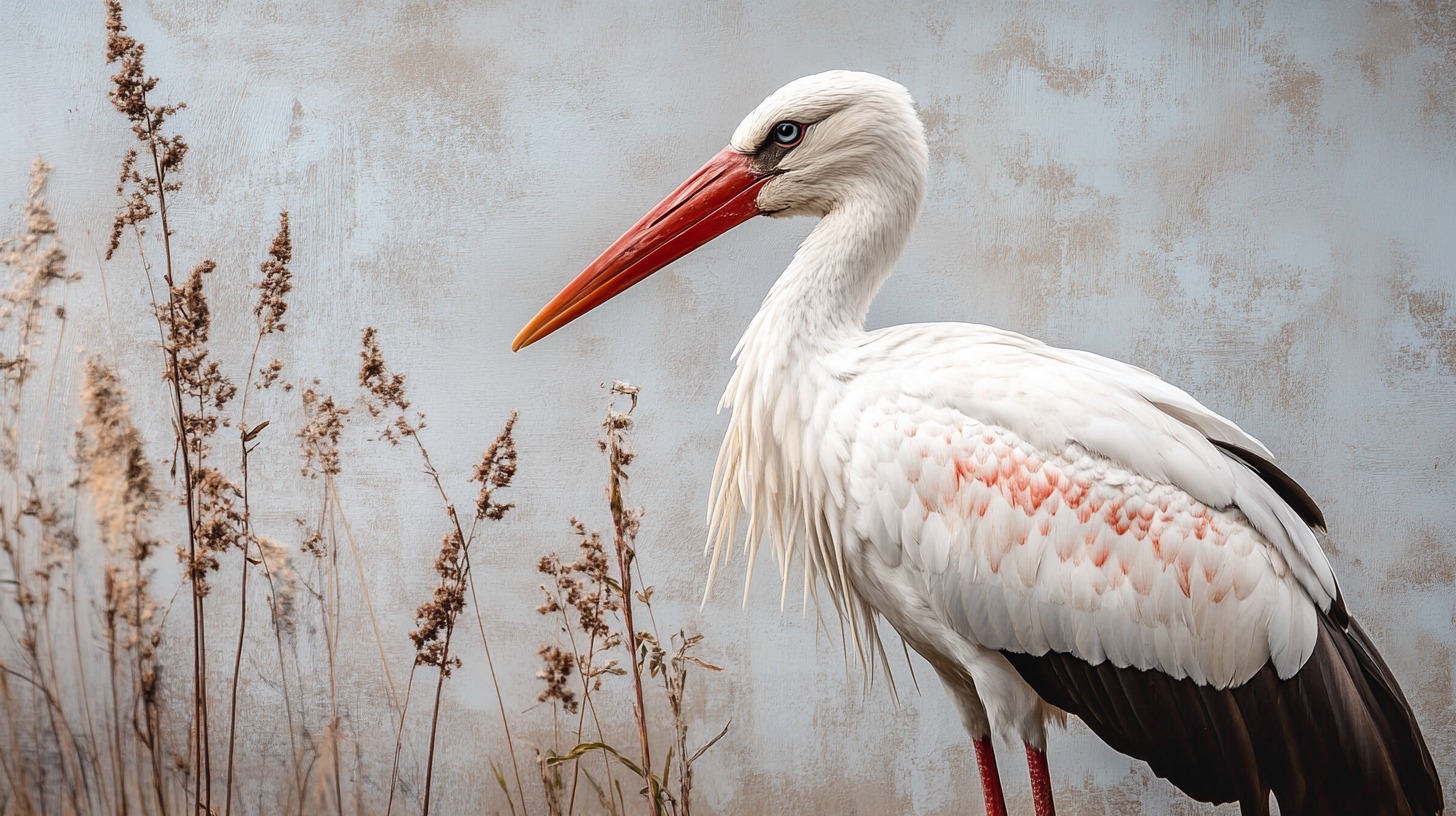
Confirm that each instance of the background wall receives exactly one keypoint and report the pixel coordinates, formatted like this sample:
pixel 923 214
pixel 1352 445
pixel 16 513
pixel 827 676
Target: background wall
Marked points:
pixel 1256 200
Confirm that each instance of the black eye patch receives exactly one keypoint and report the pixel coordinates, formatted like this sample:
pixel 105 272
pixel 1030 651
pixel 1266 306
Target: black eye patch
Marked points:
pixel 782 137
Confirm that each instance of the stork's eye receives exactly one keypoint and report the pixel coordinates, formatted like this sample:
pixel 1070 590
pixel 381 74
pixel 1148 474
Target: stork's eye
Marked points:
pixel 787 134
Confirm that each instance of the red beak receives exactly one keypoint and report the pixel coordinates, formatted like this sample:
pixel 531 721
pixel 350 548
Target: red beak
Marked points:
pixel 719 197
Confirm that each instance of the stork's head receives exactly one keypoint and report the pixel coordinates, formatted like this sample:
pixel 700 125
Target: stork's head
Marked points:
pixel 816 144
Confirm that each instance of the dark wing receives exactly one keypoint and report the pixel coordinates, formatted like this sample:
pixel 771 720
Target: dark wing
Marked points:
pixel 1336 738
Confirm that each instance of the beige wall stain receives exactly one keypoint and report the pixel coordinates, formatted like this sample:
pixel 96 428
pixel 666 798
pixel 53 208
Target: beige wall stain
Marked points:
pixel 1435 24
pixel 1427 561
pixel 1297 89
pixel 1067 233
pixel 1386 36
pixel 1431 312
pixel 1022 46
pixel 1434 697
pixel 1191 167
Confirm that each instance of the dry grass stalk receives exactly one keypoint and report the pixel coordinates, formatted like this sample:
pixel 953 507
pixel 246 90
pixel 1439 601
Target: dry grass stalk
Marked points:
pixel 149 755
pixel 494 471
pixel 35 260
pixel 437 617
pixel 626 521
pixel 320 439
pixel 118 474
pixel 36 538
pixel 551 784
pixel 588 598
pixel 183 319
pixel 275 285
pixel 218 508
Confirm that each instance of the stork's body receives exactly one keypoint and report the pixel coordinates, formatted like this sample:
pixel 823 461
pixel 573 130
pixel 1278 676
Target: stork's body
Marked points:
pixel 1050 529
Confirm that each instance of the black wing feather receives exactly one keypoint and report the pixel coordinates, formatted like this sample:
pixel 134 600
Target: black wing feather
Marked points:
pixel 1288 489
pixel 1336 738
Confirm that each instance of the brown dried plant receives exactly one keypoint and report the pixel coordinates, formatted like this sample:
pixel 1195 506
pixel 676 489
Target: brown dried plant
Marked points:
pixel 118 474
pixel 218 511
pixel 592 598
pixel 36 538
pixel 35 260
pixel 150 748
pixel 183 319
pixel 276 283
pixel 626 522
pixel 587 600
pixel 591 603
pixel 319 437
pixel 130 87
pixel 437 617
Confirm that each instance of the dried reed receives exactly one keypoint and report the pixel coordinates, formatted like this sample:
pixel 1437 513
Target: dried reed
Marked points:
pixel 141 742
pixel 587 588
pixel 438 616
pixel 276 283
pixel 183 320
pixel 35 536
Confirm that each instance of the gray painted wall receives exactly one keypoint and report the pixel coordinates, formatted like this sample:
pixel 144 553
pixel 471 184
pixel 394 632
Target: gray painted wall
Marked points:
pixel 1255 200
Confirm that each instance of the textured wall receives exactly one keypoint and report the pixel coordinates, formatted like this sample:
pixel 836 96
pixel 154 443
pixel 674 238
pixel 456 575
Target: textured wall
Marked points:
pixel 1255 200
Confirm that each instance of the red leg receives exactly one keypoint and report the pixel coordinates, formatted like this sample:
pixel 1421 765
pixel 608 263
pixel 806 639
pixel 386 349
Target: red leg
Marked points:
pixel 1041 782
pixel 990 778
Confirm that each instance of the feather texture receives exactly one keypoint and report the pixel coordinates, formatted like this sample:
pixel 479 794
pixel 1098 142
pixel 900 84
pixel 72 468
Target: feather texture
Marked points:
pixel 1242 744
pixel 1104 527
pixel 1052 530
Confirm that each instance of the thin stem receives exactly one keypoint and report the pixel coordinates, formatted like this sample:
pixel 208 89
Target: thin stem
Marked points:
pixel 399 740
pixel 450 623
pixel 152 716
pixel 116 722
pixel 238 658
pixel 338 507
pixel 588 702
pixel 435 719
pixel 624 571
pixel 333 643
pixel 199 658
pixel 76 644
pixel 247 541
pixel 490 665
pixel 287 704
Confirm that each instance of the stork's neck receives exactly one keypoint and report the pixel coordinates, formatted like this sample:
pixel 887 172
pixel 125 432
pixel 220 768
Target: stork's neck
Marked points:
pixel 783 391
pixel 823 296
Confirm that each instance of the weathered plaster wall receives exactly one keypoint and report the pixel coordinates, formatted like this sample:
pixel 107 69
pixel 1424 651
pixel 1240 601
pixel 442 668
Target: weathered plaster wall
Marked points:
pixel 1257 200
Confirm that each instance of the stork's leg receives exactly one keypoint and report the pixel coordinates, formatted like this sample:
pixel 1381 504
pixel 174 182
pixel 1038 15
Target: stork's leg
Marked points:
pixel 990 777
pixel 1041 781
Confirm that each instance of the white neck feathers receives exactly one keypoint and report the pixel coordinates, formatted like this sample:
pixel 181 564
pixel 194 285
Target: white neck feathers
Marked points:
pixel 773 462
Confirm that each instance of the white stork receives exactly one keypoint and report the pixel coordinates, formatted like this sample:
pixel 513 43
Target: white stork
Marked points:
pixel 1052 530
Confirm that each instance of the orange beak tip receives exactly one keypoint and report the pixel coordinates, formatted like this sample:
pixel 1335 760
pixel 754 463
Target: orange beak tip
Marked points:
pixel 721 195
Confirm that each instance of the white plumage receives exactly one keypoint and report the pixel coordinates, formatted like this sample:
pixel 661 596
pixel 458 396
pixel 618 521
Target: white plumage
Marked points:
pixel 869 453
pixel 1000 501
pixel 984 492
